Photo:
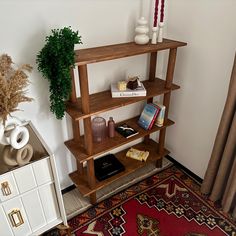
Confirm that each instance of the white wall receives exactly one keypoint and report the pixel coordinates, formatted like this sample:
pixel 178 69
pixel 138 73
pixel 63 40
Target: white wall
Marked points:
pixel 24 25
pixel 203 71
pixel 203 67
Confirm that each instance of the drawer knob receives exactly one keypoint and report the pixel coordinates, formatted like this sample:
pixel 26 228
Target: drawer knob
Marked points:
pixel 16 218
pixel 6 190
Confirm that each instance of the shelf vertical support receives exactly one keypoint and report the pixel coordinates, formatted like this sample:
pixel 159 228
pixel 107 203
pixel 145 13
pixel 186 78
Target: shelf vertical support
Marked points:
pixel 152 76
pixel 73 97
pixel 152 66
pixel 88 139
pixel 84 89
pixel 166 100
pixel 76 130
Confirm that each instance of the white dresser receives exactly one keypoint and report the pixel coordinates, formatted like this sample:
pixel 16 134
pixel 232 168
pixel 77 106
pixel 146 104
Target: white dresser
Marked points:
pixel 30 196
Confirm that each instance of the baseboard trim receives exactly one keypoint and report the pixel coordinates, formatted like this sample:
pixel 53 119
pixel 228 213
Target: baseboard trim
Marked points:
pixel 68 189
pixel 185 169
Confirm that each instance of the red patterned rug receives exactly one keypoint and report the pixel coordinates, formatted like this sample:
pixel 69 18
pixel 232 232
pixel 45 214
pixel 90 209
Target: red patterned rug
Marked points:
pixel 166 204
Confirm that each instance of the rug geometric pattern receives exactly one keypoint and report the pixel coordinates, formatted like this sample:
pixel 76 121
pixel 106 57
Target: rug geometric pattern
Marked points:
pixel 168 203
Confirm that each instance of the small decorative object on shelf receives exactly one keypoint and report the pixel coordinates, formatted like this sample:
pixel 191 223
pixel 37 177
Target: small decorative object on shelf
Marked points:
pixel 154 29
pixel 134 88
pixel 154 35
pixel 161 23
pixel 122 85
pixel 142 32
pixel 133 83
pixel 99 129
pixel 137 154
pixel 126 131
pixel 111 128
pixel 148 116
pixel 160 34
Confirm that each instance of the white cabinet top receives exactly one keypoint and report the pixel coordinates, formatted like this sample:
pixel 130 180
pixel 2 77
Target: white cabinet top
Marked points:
pixel 40 150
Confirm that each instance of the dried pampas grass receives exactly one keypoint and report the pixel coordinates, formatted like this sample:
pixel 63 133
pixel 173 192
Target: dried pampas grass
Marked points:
pixel 12 84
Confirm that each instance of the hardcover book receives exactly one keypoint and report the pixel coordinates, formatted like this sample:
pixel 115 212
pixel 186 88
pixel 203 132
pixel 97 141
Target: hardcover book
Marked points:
pixel 107 166
pixel 140 91
pixel 126 130
pixel 148 116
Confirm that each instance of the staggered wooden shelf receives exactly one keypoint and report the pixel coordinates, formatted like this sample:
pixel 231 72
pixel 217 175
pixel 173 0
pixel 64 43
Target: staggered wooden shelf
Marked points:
pixel 116 51
pixel 108 144
pixel 83 108
pixel 101 102
pixel 80 179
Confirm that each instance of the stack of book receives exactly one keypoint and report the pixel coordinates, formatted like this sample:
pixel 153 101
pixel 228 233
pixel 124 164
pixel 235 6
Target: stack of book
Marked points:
pixel 148 116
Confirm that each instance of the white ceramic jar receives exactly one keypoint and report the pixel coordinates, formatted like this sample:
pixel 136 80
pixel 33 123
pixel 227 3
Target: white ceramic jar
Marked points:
pixel 142 32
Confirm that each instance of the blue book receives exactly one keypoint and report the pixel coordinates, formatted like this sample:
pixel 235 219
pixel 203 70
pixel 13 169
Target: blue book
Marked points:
pixel 148 116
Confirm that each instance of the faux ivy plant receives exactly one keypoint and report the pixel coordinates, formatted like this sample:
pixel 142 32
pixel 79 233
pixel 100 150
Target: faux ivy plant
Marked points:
pixel 54 62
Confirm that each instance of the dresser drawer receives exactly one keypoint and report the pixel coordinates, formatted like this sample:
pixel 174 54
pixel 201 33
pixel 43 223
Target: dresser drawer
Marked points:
pixel 42 171
pixel 16 217
pixel 49 201
pixel 8 187
pixel 25 179
pixel 5 228
pixel 34 210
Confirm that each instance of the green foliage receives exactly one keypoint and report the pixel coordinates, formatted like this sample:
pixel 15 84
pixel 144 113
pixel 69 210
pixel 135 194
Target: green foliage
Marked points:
pixel 54 62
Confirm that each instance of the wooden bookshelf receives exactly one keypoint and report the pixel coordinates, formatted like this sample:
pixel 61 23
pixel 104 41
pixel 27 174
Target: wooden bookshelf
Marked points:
pixel 82 109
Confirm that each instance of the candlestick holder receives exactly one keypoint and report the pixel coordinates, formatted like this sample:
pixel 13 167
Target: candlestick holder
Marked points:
pixel 141 30
pixel 160 33
pixel 154 35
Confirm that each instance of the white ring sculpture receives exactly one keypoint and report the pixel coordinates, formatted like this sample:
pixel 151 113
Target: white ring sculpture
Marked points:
pixel 13 157
pixel 9 124
pixel 19 137
pixel 24 155
pixel 13 133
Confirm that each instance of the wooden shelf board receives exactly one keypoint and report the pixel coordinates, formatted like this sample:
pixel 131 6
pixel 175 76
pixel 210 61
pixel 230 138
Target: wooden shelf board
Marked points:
pixel 80 180
pixel 102 101
pixel 79 152
pixel 110 52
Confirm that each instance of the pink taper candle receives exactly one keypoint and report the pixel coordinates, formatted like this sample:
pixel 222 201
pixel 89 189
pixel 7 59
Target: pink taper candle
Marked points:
pixel 155 13
pixel 162 10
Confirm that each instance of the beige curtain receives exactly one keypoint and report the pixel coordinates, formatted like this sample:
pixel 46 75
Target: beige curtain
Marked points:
pixel 220 178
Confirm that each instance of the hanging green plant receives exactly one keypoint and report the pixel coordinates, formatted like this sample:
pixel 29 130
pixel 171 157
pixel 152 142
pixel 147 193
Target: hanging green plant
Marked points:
pixel 54 62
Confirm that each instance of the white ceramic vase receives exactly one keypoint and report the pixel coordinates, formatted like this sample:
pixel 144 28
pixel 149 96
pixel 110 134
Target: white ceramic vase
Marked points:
pixel 142 32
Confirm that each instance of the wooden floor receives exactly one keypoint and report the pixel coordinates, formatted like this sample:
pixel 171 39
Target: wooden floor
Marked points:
pixel 75 203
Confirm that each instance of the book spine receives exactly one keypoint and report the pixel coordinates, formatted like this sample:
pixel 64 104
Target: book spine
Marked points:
pixel 128 94
pixel 154 117
pixel 160 118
